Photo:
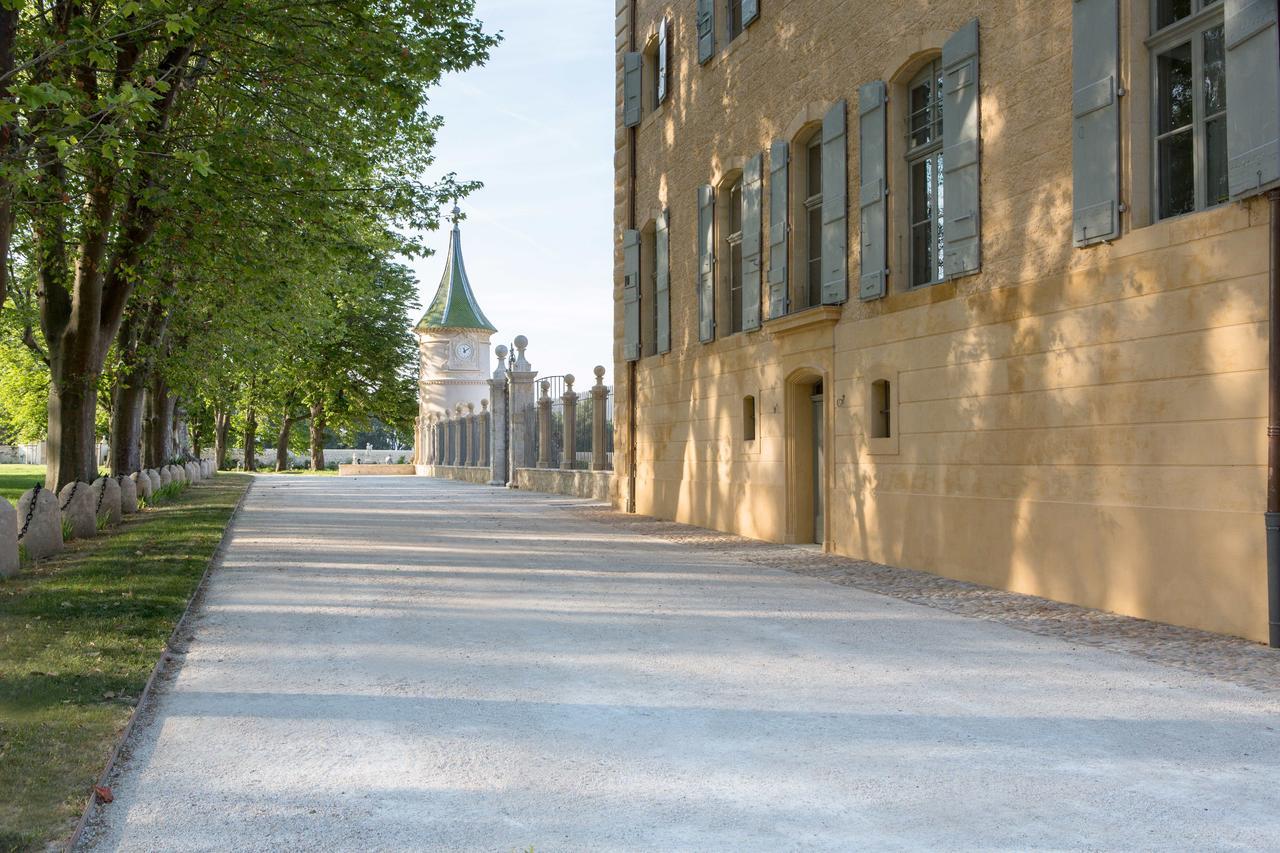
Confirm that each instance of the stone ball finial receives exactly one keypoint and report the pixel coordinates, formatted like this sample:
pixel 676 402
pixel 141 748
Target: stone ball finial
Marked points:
pixel 568 381
pixel 484 405
pixel 599 372
pixel 521 343
pixel 458 408
pixel 500 351
pixel 471 407
pixel 546 387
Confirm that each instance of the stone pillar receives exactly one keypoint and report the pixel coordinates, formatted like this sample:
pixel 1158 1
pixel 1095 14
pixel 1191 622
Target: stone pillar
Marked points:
pixel 520 397
pixel 433 434
pixel 450 439
pixel 570 400
pixel 460 454
pixel 544 426
pixel 482 435
pixel 599 407
pixel 498 421
pixel 472 458
pixel 419 441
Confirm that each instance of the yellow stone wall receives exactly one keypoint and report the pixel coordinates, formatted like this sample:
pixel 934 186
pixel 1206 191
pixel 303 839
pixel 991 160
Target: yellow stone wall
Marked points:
pixel 1082 424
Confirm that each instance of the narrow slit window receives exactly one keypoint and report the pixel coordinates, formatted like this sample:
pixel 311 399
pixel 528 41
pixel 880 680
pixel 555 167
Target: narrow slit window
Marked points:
pixel 881 408
pixel 749 418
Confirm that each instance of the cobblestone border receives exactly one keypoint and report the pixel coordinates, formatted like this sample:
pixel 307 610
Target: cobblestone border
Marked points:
pixel 1217 656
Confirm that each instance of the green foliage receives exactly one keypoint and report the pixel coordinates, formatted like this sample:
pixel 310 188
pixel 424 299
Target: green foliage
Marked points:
pixel 24 386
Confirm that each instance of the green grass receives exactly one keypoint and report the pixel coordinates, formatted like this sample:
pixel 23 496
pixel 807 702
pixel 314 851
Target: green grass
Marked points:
pixel 303 471
pixel 79 635
pixel 16 479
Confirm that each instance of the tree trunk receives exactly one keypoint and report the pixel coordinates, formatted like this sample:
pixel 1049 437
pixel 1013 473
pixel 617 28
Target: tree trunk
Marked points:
pixel 8 141
pixel 221 426
pixel 73 405
pixel 250 440
pixel 159 429
pixel 282 443
pixel 317 436
pixel 126 424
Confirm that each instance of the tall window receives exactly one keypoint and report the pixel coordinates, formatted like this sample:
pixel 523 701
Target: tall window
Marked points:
pixel 735 19
pixel 1190 105
pixel 733 250
pixel 924 164
pixel 813 220
pixel 648 291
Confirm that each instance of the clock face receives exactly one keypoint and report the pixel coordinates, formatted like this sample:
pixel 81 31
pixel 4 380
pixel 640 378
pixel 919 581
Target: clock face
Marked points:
pixel 464 351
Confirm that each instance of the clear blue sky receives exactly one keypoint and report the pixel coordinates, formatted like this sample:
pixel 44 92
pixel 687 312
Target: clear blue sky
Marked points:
pixel 536 126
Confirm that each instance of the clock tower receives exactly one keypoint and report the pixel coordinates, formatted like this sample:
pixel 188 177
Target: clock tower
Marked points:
pixel 453 340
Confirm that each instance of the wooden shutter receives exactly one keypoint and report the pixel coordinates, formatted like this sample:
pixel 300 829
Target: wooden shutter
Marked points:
pixel 750 11
pixel 1253 96
pixel 835 207
pixel 752 199
pixel 873 224
pixel 630 294
pixel 662 281
pixel 706 263
pixel 632 66
pixel 1095 110
pixel 961 152
pixel 664 59
pixel 706 30
pixel 779 156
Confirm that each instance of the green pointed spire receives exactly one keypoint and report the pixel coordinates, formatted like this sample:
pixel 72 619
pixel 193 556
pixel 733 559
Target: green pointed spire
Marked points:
pixel 454 305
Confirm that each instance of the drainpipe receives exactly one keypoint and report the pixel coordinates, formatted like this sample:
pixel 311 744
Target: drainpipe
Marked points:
pixel 1273 428
pixel 632 408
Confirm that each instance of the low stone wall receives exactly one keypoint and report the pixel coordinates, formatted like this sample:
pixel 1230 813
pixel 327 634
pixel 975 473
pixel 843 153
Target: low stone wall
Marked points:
pixel 480 476
pixel 353 470
pixel 593 485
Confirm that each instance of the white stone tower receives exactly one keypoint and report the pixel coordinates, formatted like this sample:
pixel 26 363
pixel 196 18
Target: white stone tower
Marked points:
pixel 453 341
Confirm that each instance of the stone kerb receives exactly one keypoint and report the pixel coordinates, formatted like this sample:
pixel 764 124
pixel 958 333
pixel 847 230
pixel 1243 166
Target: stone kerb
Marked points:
pixel 76 501
pixel 128 495
pixel 8 539
pixel 166 476
pixel 43 534
pixel 106 500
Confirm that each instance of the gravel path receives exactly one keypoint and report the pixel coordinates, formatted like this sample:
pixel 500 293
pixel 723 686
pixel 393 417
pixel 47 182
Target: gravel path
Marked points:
pixel 396 664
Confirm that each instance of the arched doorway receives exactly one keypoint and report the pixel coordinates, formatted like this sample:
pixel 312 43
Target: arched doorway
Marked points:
pixel 806 459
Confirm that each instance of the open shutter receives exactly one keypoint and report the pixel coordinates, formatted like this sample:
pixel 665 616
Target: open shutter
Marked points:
pixel 664 59
pixel 706 29
pixel 779 155
pixel 630 294
pixel 662 281
pixel 1253 96
pixel 706 263
pixel 750 11
pixel 960 140
pixel 632 63
pixel 752 199
pixel 872 171
pixel 835 207
pixel 1095 109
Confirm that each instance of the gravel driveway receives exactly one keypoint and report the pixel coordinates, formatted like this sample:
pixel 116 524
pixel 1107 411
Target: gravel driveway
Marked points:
pixel 411 664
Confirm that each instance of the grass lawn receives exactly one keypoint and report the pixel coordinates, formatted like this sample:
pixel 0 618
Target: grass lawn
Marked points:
pixel 16 479
pixel 79 635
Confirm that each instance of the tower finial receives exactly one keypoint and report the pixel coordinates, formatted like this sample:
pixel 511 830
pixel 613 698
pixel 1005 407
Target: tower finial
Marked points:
pixel 457 214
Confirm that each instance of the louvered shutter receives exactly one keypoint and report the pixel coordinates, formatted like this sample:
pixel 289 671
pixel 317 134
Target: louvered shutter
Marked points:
pixel 750 11
pixel 632 64
pixel 961 151
pixel 752 200
pixel 779 156
pixel 662 281
pixel 706 29
pixel 872 172
pixel 835 207
pixel 1095 108
pixel 1253 96
pixel 630 294
pixel 706 263
pixel 664 59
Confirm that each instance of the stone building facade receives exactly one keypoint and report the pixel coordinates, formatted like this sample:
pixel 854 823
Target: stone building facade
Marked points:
pixel 1045 372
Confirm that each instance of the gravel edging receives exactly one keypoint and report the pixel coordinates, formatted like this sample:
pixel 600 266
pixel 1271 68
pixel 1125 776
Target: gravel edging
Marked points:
pixel 175 645
pixel 1217 656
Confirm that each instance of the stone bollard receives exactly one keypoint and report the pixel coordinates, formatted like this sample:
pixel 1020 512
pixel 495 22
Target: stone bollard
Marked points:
pixel 544 426
pixel 193 472
pixel 154 477
pixel 482 435
pixel 569 457
pixel 496 447
pixel 166 476
pixel 128 495
pixel 40 523
pixel 9 563
pixel 599 404
pixel 76 500
pixel 106 500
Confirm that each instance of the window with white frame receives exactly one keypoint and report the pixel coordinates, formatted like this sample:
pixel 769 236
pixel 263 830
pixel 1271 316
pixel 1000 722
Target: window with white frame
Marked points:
pixel 1190 88
pixel 924 166
pixel 732 207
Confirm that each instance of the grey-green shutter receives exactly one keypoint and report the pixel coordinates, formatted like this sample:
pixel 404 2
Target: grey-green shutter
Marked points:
pixel 1095 108
pixel 835 207
pixel 630 294
pixel 664 60
pixel 706 263
pixel 1253 96
pixel 752 200
pixel 872 178
pixel 962 227
pixel 750 11
pixel 632 63
pixel 662 281
pixel 706 29
pixel 779 156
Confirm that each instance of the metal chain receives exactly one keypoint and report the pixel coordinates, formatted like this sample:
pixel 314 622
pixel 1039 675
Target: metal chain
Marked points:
pixel 102 493
pixel 74 488
pixel 31 510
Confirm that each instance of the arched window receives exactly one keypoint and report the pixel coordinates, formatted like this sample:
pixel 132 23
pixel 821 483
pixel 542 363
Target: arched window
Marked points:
pixel 924 167
pixel 749 418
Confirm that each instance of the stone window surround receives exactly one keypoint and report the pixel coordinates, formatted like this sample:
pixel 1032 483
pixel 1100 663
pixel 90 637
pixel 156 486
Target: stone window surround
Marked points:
pixel 880 372
pixel 799 131
pixel 724 173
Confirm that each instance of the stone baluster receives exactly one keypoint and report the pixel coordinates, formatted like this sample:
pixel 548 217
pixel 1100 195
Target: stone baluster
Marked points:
pixel 428 438
pixel 473 428
pixel 520 401
pixel 460 446
pixel 497 449
pixel 570 400
pixel 438 451
pixel 544 426
pixel 450 441
pixel 599 403
pixel 482 433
